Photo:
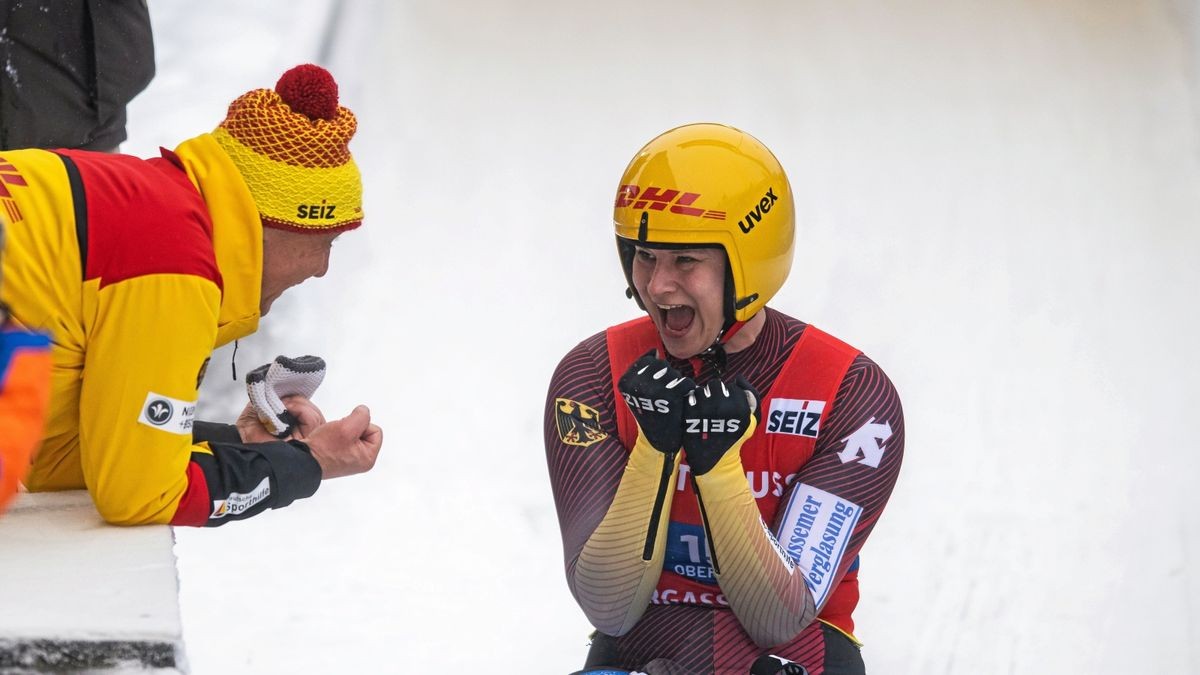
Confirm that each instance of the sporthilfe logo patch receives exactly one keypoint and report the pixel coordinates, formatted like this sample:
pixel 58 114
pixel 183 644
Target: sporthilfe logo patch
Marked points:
pixel 159 411
pixel 238 503
pixel 577 423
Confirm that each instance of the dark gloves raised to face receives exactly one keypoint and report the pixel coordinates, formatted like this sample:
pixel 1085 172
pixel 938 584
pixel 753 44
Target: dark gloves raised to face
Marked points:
pixel 717 417
pixel 655 393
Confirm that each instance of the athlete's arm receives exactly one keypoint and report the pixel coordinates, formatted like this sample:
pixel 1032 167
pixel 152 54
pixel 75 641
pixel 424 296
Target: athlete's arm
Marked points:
pixel 613 504
pixel 148 339
pixel 778 581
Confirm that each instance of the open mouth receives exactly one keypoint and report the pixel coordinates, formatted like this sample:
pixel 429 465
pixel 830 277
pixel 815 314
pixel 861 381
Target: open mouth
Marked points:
pixel 677 319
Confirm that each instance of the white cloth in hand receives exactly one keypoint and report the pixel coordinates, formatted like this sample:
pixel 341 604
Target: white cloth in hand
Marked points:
pixel 269 384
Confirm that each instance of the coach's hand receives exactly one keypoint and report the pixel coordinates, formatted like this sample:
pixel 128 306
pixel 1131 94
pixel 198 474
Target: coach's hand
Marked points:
pixel 306 414
pixel 347 446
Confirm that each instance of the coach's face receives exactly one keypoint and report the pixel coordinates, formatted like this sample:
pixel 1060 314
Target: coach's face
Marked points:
pixel 290 259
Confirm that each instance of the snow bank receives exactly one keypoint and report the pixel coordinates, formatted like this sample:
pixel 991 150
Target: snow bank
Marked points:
pixel 77 593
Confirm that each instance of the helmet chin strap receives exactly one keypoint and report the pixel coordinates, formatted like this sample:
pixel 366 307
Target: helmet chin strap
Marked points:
pixel 724 337
pixel 716 354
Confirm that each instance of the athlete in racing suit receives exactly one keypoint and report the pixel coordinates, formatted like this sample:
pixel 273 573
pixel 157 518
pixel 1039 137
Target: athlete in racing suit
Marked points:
pixel 702 530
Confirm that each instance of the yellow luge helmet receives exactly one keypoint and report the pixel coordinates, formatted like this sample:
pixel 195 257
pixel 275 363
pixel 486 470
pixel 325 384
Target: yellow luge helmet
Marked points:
pixel 711 184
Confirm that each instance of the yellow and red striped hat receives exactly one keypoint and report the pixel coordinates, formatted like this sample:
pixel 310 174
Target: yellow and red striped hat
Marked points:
pixel 291 146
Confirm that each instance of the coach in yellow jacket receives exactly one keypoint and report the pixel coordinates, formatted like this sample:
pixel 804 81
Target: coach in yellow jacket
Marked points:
pixel 139 268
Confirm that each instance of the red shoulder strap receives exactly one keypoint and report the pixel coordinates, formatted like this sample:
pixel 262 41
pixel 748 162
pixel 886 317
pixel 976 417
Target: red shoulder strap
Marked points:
pixel 626 342
pixel 815 369
pixel 812 376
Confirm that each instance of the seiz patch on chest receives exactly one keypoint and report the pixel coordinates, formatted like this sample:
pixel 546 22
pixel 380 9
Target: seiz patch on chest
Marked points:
pixel 577 424
pixel 795 416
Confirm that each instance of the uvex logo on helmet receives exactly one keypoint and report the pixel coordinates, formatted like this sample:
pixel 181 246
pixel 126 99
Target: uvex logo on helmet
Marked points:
pixel 657 199
pixel 760 209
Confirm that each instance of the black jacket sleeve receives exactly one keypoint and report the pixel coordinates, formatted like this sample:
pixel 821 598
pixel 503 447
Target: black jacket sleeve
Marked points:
pixel 215 432
pixel 245 479
pixel 70 69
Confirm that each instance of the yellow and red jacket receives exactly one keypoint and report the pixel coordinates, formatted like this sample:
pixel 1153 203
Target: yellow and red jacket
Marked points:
pixel 139 269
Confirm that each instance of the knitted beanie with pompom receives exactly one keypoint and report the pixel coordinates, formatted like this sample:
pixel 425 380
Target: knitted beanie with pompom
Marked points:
pixel 291 146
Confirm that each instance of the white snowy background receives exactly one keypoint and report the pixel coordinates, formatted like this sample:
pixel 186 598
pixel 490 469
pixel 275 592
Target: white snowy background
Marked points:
pixel 998 201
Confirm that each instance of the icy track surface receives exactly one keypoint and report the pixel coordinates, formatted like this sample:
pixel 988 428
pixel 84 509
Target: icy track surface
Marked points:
pixel 998 201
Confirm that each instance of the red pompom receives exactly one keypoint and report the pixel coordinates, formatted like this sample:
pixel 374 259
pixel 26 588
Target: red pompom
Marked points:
pixel 309 90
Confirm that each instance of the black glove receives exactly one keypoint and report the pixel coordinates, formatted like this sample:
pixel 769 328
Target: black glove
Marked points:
pixel 655 393
pixel 717 417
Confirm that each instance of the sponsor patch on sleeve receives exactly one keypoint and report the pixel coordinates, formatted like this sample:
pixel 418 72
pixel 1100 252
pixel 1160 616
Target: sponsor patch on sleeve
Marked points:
pixel 868 442
pixel 815 531
pixel 238 503
pixel 578 424
pixel 795 416
pixel 168 414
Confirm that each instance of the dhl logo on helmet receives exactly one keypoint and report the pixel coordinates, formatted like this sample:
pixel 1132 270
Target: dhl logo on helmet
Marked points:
pixel 658 199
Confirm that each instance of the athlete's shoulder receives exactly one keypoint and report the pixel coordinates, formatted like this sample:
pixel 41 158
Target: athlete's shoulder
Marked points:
pixel 587 360
pixel 781 330
pixel 865 372
pixel 593 347
pixel 813 331
pixel 599 348
pixel 868 399
pixel 865 386
pixel 587 369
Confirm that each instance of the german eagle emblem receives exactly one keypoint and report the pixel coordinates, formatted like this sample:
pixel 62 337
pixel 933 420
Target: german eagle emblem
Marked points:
pixel 578 424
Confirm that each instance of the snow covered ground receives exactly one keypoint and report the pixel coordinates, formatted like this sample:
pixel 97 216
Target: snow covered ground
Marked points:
pixel 998 201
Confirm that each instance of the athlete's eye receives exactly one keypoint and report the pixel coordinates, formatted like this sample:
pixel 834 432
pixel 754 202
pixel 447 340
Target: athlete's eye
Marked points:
pixel 644 255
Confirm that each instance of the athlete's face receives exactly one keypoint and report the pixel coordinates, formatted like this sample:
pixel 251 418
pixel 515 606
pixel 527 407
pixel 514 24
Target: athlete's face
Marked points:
pixel 289 259
pixel 684 292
